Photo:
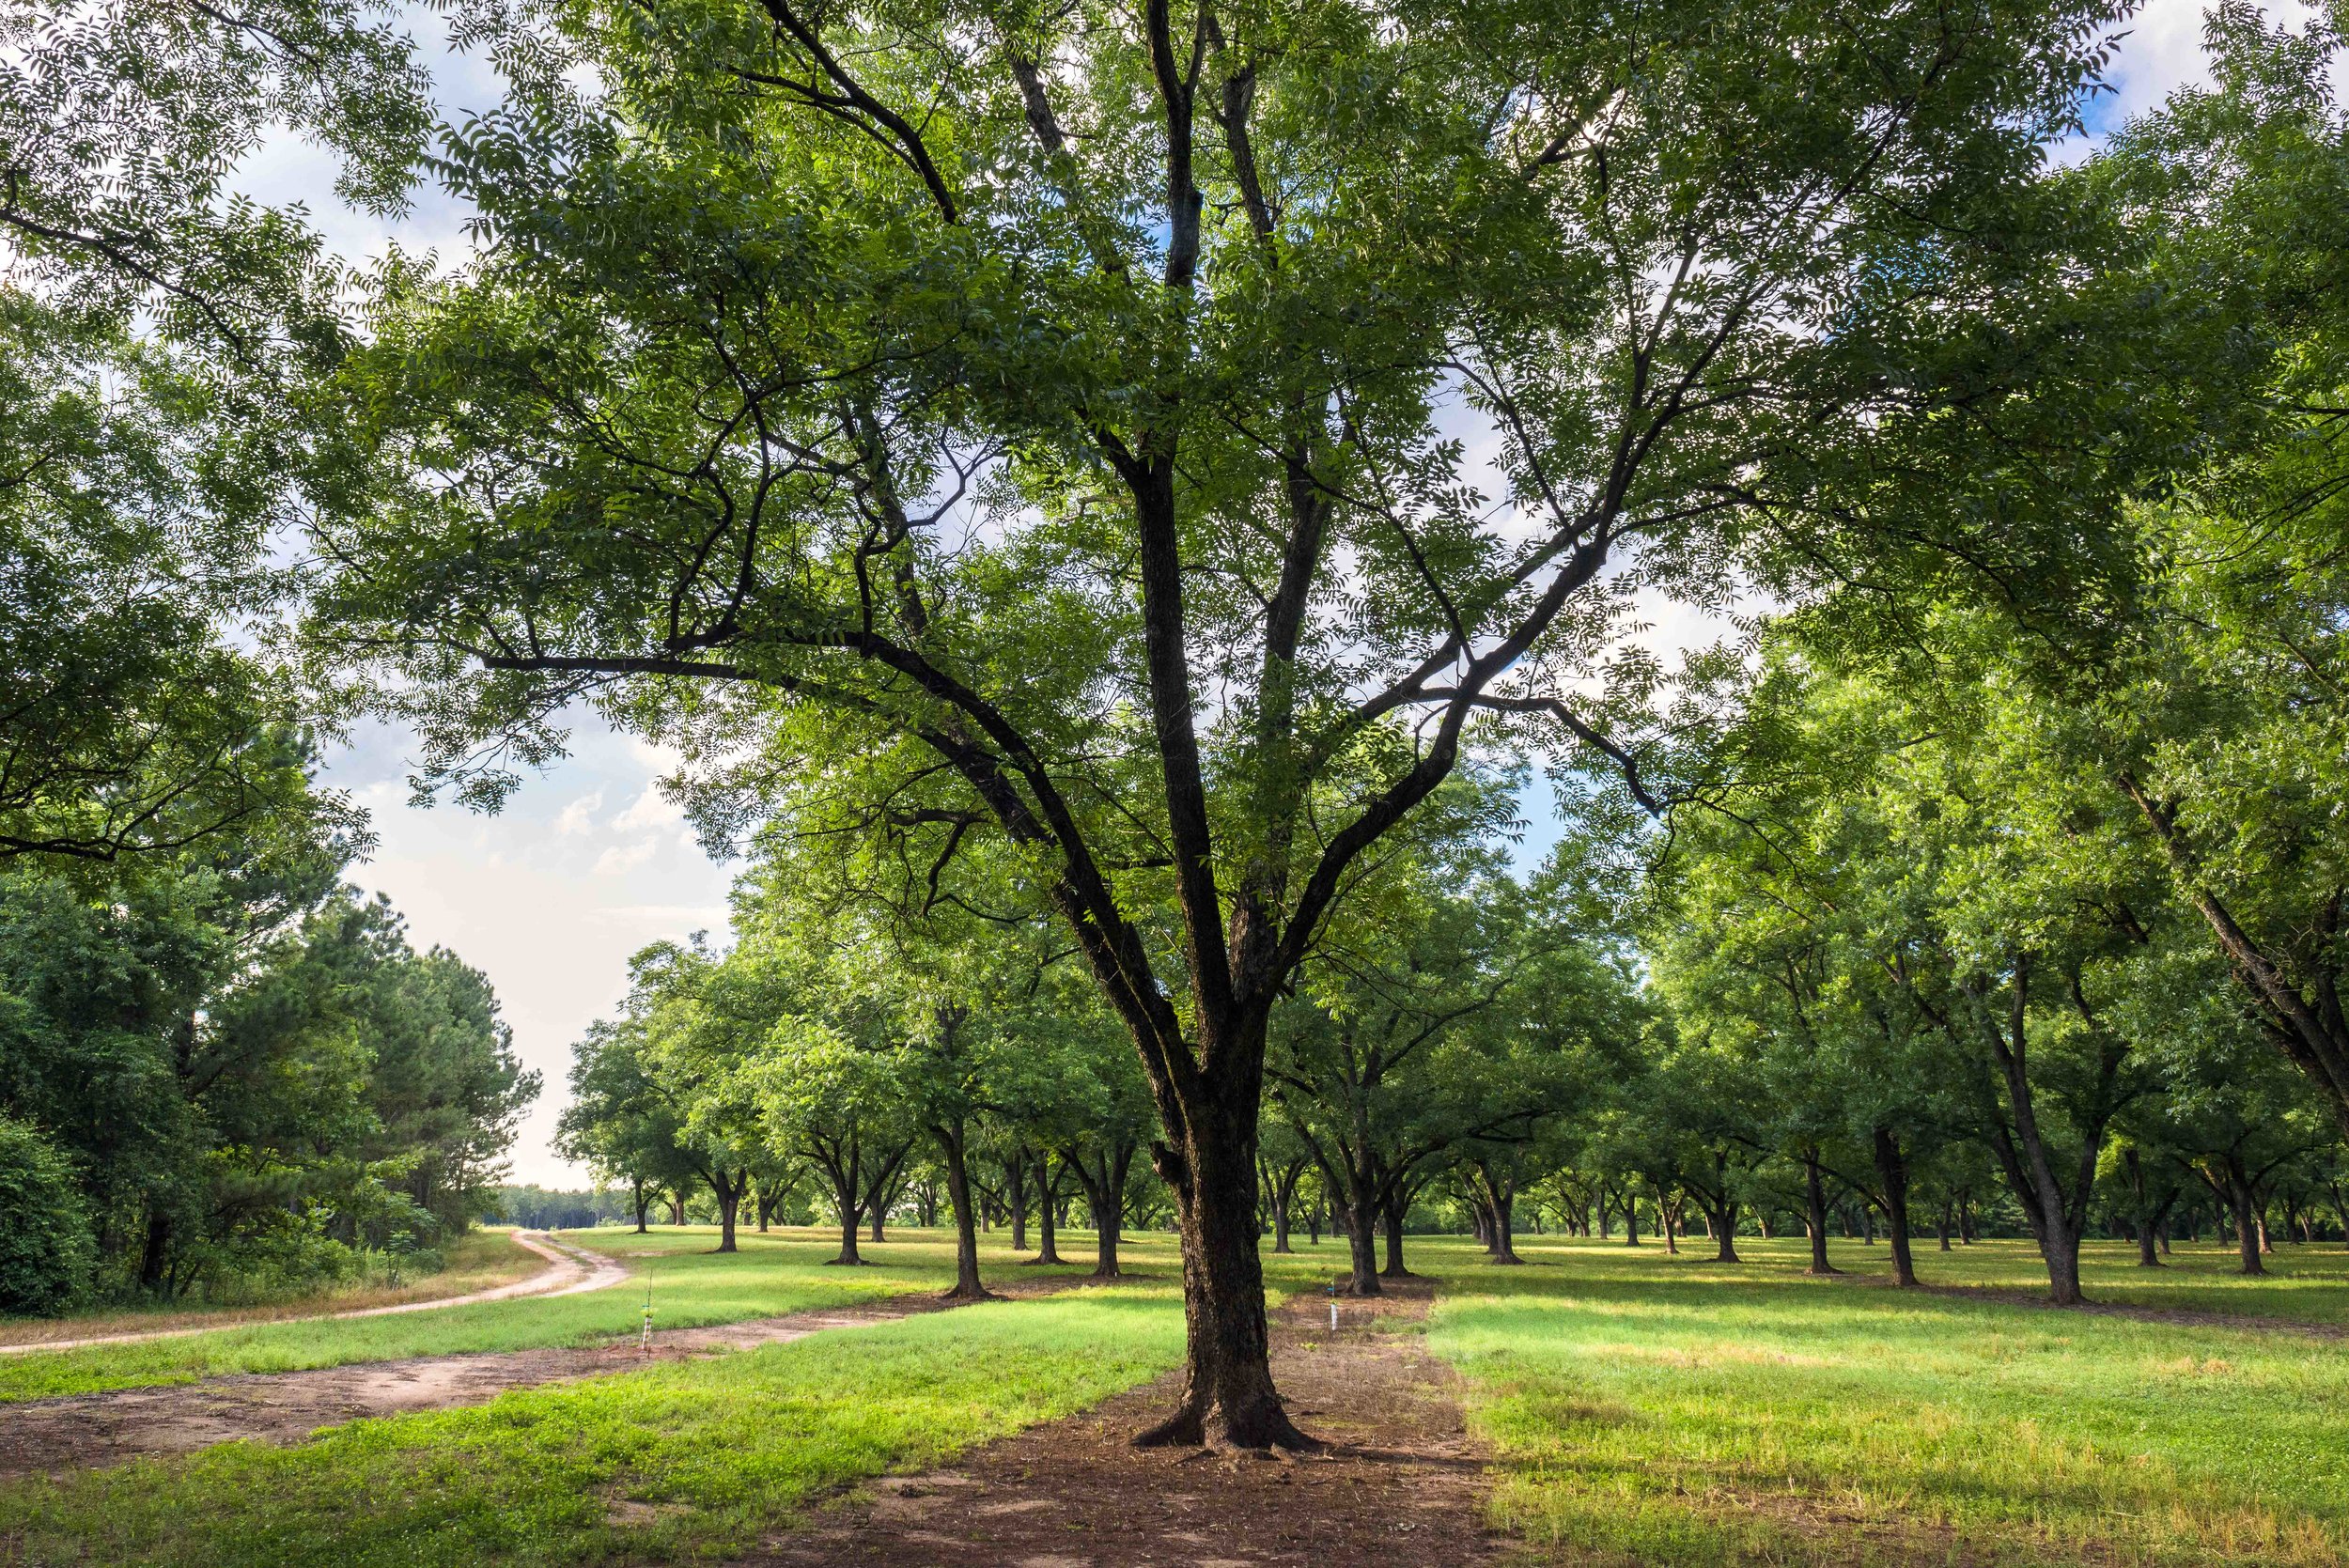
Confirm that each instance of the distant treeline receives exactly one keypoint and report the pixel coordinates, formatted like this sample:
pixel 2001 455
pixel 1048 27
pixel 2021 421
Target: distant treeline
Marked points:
pixel 540 1208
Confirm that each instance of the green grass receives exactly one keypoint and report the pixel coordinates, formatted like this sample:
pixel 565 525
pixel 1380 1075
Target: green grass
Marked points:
pixel 1668 1412
pixel 1646 1412
pixel 690 1283
pixel 677 1462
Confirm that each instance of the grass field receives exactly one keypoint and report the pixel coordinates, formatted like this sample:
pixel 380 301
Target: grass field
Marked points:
pixel 691 1285
pixel 1643 1410
pixel 1658 1411
pixel 675 1462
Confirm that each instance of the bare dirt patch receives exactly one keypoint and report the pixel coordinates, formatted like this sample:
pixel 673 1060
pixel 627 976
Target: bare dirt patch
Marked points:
pixel 1401 1480
pixel 51 1436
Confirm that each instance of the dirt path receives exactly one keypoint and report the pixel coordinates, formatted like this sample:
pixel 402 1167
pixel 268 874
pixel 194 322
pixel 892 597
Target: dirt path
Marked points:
pixel 84 1430
pixel 1401 1482
pixel 570 1271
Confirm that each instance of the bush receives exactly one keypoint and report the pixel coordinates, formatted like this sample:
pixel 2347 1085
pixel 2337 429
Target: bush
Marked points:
pixel 45 1249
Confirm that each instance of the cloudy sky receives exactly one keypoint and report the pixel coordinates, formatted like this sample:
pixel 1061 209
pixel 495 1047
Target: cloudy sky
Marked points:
pixel 587 862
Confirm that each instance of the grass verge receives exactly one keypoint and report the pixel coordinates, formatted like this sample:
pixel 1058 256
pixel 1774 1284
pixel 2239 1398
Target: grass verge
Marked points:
pixel 480 1260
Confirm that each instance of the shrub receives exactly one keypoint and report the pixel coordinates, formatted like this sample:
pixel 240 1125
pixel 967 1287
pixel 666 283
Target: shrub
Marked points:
pixel 45 1249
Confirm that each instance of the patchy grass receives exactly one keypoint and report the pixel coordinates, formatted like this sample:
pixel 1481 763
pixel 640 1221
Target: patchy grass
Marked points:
pixel 690 1284
pixel 675 1462
pixel 1666 1412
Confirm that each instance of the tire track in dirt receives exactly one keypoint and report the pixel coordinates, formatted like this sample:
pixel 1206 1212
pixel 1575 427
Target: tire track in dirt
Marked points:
pixel 81 1431
pixel 570 1271
pixel 1401 1480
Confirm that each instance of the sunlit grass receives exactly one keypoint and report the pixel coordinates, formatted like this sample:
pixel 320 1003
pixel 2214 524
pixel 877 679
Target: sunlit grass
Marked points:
pixel 1657 1411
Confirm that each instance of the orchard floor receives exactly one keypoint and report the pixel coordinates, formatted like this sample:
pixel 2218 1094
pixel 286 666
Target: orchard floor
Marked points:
pixel 1601 1405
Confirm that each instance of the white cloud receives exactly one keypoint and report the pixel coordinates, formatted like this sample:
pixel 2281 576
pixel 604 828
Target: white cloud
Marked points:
pixel 650 810
pixel 580 816
pixel 624 858
pixel 543 898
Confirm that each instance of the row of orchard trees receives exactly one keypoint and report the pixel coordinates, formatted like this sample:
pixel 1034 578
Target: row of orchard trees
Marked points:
pixel 862 1047
pixel 1949 922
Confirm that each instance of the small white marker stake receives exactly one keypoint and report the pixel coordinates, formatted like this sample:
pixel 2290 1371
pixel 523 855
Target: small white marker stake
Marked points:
pixel 644 1341
pixel 1333 1315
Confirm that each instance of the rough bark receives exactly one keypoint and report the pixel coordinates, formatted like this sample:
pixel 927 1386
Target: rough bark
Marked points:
pixel 1228 1396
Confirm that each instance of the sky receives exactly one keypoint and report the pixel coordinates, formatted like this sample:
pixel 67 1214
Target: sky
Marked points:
pixel 587 862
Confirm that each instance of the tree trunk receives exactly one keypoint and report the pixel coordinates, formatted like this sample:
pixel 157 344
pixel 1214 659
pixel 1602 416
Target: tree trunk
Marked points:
pixel 2023 1153
pixel 846 1198
pixel 1228 1397
pixel 1630 1221
pixel 1726 1232
pixel 1814 1198
pixel 1892 1171
pixel 1361 1244
pixel 728 1191
pixel 1105 1186
pixel 1015 1197
pixel 642 1205
pixel 1391 1212
pixel 1504 1202
pixel 2246 1227
pixel 153 1254
pixel 1048 1203
pixel 952 1148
